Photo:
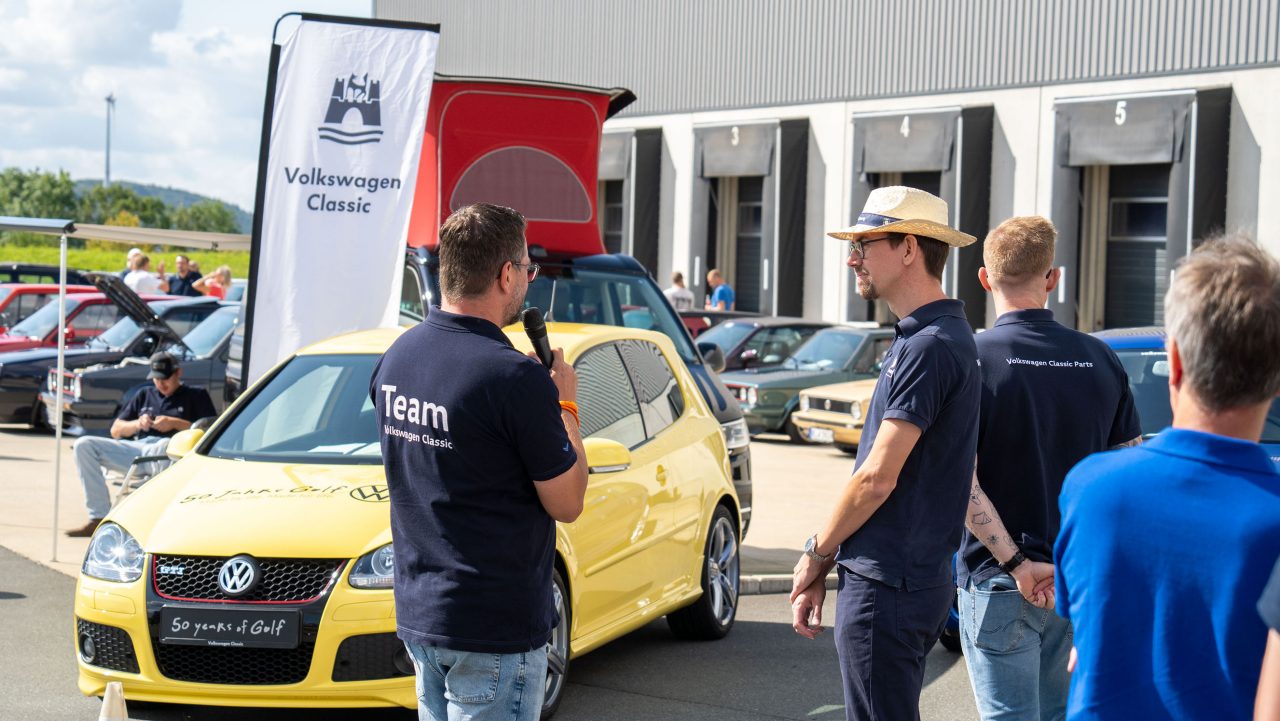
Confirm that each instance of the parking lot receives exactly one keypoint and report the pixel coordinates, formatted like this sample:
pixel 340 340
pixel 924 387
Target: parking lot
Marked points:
pixel 761 671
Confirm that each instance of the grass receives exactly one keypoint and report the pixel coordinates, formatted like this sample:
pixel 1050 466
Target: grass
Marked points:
pixel 112 260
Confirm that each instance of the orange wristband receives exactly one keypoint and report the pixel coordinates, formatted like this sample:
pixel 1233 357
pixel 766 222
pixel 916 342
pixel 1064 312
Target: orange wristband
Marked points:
pixel 573 410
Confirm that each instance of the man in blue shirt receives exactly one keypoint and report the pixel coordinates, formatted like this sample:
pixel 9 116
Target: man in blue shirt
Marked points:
pixel 482 455
pixel 898 522
pixel 722 297
pixel 180 283
pixel 141 428
pixel 1165 548
pixel 1050 397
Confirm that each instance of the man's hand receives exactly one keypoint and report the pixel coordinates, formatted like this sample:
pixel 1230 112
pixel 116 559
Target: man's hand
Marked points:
pixel 1035 583
pixel 806 572
pixel 562 374
pixel 164 424
pixel 806 608
pixel 145 422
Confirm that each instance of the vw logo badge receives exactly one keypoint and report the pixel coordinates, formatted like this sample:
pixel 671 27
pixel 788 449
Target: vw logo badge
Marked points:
pixel 239 576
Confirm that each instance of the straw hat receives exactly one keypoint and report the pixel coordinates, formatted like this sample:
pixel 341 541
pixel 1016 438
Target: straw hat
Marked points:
pixel 899 209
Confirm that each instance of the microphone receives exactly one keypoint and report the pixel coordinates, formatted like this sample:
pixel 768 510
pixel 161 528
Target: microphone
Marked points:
pixel 536 329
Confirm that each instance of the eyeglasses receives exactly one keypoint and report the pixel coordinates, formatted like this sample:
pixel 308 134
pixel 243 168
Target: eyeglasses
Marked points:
pixel 530 268
pixel 859 247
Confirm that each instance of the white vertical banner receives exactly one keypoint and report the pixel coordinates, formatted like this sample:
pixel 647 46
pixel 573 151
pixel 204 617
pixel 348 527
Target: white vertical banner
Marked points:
pixel 346 132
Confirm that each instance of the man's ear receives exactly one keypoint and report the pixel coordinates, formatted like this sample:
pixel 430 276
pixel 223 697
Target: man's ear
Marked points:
pixel 1055 275
pixel 912 249
pixel 1175 364
pixel 983 279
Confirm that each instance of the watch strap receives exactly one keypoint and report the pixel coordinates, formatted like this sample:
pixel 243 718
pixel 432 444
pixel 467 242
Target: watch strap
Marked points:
pixel 1009 565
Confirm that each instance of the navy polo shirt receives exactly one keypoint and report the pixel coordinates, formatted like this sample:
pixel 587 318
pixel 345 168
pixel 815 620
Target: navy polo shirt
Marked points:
pixel 1050 396
pixel 468 424
pixel 187 403
pixel 1164 551
pixel 183 286
pixel 929 378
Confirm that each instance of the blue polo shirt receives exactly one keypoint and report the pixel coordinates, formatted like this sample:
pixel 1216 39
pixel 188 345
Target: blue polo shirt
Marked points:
pixel 1050 396
pixel 929 378
pixel 723 293
pixel 468 424
pixel 1269 604
pixel 1163 554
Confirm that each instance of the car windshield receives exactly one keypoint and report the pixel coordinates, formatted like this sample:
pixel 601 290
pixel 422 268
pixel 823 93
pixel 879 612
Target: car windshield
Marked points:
pixel 727 335
pixel 1148 371
pixel 316 409
pixel 42 322
pixel 4 293
pixel 203 339
pixel 826 349
pixel 575 295
pixel 117 336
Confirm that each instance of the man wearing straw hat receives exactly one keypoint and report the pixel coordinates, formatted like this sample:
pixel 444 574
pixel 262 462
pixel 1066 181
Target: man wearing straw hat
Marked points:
pixel 898 521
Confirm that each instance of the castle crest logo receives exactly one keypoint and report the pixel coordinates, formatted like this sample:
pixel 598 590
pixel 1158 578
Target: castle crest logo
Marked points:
pixel 362 96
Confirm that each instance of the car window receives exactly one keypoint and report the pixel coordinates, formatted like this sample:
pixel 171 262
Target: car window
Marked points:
pixel 316 409
pixel 606 400
pixel 773 345
pixel 182 320
pixel 661 401
pixel 97 318
pixel 872 355
pixel 204 339
pixel 727 335
pixel 584 296
pixel 828 349
pixel 44 321
pixel 411 295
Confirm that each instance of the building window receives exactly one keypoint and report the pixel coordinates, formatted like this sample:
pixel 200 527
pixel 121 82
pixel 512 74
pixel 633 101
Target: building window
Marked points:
pixel 611 216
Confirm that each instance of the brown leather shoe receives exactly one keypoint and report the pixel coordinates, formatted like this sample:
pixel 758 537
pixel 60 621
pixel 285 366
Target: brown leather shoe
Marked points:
pixel 86 530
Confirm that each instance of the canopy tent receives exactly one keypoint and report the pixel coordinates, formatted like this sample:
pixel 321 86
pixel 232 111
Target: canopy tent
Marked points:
pixel 116 234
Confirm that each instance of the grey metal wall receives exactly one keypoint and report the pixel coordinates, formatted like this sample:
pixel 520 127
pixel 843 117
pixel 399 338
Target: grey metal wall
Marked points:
pixel 685 55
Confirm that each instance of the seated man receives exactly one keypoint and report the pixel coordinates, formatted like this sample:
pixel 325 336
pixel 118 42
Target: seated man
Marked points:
pixel 142 428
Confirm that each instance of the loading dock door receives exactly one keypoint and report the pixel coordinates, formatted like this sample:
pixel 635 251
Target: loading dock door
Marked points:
pixel 1112 155
pixel 630 186
pixel 952 145
pixel 748 212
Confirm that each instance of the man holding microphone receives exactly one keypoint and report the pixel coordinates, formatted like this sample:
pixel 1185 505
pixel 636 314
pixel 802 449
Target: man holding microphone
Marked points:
pixel 473 511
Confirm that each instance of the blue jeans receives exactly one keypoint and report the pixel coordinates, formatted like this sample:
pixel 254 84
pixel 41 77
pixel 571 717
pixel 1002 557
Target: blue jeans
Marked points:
pixel 1016 653
pixel 469 686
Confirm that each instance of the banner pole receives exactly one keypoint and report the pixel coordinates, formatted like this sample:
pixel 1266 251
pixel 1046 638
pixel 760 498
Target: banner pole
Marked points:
pixel 57 413
pixel 259 205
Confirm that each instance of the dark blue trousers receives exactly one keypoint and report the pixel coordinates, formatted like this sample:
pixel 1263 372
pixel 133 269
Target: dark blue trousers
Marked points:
pixel 883 635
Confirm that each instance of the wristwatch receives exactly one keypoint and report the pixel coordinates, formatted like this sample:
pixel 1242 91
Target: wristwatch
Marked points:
pixel 811 550
pixel 1013 563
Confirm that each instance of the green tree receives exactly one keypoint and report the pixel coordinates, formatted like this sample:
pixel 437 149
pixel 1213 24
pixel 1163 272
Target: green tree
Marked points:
pixel 35 194
pixel 101 203
pixel 207 215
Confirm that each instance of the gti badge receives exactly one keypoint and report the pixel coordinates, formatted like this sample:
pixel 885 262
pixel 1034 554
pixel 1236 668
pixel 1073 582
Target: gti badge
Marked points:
pixel 239 576
pixel 362 96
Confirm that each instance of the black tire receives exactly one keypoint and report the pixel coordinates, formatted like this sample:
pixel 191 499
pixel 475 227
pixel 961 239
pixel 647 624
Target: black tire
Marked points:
pixel 794 433
pixel 558 649
pixel 846 448
pixel 712 615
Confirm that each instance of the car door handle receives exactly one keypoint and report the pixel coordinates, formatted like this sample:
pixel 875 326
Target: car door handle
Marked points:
pixel 662 476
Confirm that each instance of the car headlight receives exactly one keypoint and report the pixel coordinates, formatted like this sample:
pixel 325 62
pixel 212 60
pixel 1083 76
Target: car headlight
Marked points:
pixel 855 410
pixel 114 555
pixel 752 397
pixel 375 570
pixel 804 403
pixel 735 434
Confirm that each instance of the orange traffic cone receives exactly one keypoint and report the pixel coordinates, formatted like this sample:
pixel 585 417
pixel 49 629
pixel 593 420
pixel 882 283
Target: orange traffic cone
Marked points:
pixel 113 703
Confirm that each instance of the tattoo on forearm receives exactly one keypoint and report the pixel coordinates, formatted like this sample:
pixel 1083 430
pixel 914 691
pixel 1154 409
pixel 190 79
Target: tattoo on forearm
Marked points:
pixel 1127 444
pixel 980 519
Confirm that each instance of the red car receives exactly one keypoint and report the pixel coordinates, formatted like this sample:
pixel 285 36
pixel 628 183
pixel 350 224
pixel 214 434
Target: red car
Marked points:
pixel 88 314
pixel 19 300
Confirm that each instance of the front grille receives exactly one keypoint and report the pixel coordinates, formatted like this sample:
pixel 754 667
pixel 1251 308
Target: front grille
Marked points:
pixel 370 657
pixel 830 404
pixel 284 580
pixel 240 666
pixel 113 649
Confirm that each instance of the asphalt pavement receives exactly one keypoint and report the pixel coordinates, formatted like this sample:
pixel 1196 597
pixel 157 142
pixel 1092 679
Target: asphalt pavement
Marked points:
pixel 762 670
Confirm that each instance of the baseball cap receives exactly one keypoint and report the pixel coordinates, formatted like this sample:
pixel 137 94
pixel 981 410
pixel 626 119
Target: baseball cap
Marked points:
pixel 163 365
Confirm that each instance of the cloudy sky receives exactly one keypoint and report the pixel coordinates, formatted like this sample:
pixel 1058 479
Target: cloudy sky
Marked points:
pixel 188 76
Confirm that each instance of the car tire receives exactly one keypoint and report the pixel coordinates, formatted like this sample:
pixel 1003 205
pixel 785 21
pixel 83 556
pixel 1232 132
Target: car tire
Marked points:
pixel 712 615
pixel 40 418
pixel 794 433
pixel 846 448
pixel 558 648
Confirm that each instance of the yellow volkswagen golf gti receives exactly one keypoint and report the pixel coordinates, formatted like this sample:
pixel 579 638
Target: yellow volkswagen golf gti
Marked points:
pixel 257 570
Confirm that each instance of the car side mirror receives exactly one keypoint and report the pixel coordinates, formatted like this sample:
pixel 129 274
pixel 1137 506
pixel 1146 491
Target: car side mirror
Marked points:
pixel 605 456
pixel 69 333
pixel 748 356
pixel 712 356
pixel 183 442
